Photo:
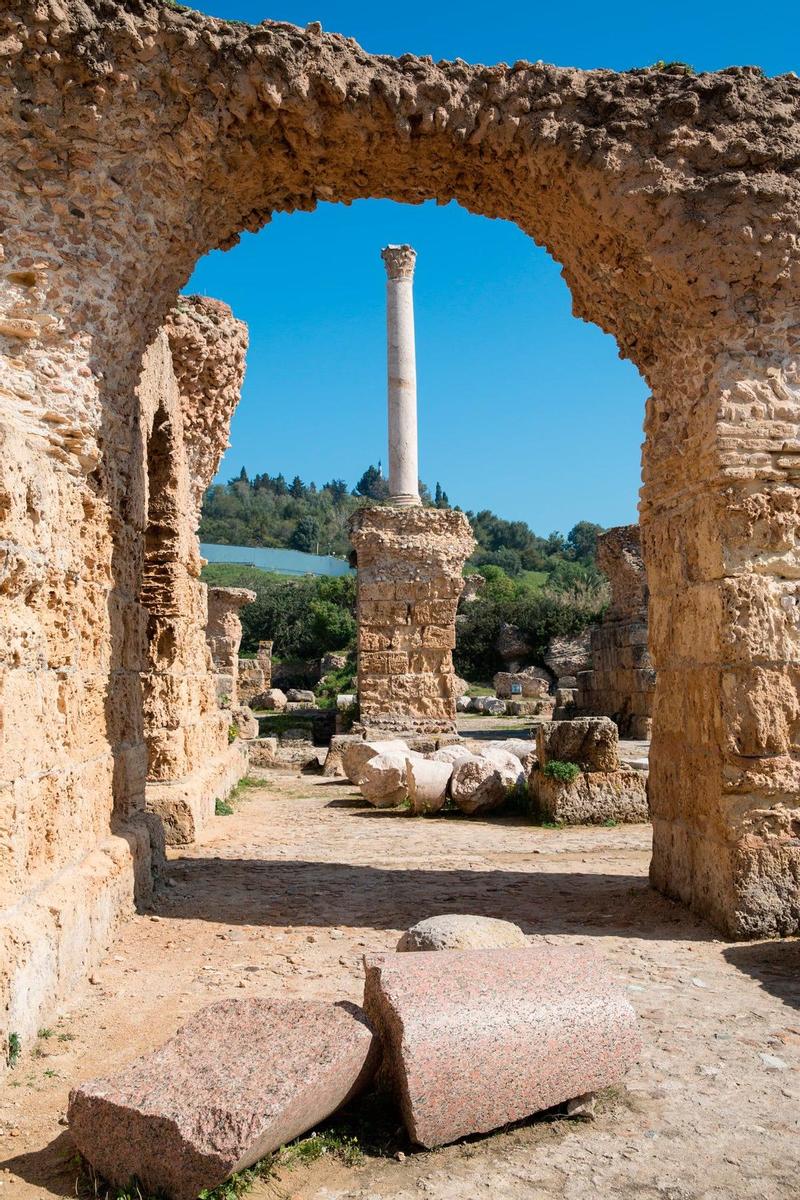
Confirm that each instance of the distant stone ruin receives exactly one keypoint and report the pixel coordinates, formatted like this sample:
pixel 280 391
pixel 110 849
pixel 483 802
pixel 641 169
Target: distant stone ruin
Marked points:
pixel 621 682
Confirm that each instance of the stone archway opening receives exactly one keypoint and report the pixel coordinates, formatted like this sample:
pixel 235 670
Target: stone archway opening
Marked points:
pixel 140 137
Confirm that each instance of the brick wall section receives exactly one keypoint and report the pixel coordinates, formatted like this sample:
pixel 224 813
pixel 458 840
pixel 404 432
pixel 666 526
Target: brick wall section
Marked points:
pixel 409 582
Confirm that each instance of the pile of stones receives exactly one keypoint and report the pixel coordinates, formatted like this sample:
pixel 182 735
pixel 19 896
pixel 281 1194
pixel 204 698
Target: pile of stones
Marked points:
pixel 476 777
pixel 544 1026
pixel 571 774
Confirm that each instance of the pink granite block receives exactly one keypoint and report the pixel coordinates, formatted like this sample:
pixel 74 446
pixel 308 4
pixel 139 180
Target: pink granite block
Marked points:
pixel 238 1080
pixel 477 1038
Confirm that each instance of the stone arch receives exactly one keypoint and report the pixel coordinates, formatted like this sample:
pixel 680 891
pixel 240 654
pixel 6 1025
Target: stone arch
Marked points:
pixel 138 137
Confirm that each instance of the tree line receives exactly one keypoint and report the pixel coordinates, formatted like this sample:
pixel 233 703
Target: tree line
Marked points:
pixel 273 511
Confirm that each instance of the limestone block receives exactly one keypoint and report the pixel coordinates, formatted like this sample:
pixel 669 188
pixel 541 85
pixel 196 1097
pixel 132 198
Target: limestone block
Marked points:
pixel 532 683
pixel 242 719
pixel 300 696
pixel 591 742
pixel 356 753
pixel 567 1029
pixel 185 1117
pixel 458 931
pixel 488 705
pixel 453 753
pixel 273 700
pixel 592 797
pixel 569 655
pixel 521 748
pixel 426 782
pixel 383 780
pixel 263 751
pixel 479 784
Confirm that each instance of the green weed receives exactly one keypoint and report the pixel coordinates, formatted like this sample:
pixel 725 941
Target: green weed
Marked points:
pixel 564 772
pixel 13 1049
pixel 223 809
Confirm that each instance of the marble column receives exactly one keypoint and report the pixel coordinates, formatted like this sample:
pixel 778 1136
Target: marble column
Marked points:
pixel 401 360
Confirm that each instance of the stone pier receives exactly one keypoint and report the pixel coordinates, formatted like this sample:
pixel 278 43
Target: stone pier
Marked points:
pixel 224 636
pixel 409 582
pixel 621 682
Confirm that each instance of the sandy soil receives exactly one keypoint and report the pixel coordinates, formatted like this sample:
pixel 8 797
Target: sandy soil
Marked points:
pixel 284 897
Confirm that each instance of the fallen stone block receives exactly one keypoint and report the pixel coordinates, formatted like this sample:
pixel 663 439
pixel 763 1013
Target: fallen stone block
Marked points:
pixel 480 1038
pixel 489 706
pixel 263 751
pixel 459 931
pixel 357 753
pixel 273 700
pixel 452 754
pixel 245 723
pixel 426 782
pixel 527 684
pixel 237 1081
pixel 300 696
pixel 591 742
pixel 333 759
pixel 383 780
pixel 592 797
pixel 479 784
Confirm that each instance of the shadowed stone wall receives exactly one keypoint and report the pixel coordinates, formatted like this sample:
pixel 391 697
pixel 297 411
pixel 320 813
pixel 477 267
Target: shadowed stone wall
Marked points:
pixel 409 581
pixel 135 139
pixel 224 636
pixel 621 683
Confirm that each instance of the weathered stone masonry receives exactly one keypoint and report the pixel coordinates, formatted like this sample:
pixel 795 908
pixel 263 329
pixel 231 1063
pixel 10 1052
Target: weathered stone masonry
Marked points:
pixel 135 138
pixel 409 580
pixel 621 683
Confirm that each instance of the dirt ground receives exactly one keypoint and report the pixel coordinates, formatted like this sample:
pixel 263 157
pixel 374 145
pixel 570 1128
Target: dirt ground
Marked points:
pixel 283 897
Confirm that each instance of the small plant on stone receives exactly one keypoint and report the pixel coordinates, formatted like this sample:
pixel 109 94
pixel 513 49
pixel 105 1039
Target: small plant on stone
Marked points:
pixel 563 772
pixel 13 1049
pixel 45 1033
pixel 223 809
pixel 233 733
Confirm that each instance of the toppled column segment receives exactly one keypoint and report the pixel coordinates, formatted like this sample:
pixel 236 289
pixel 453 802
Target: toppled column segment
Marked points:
pixel 475 1039
pixel 238 1080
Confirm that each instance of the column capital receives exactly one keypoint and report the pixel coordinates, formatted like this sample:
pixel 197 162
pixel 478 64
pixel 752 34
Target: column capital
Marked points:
pixel 399 261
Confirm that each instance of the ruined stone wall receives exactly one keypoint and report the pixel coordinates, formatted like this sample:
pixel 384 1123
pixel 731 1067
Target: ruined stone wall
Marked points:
pixel 621 682
pixel 190 381
pixel 409 583
pixel 224 637
pixel 137 137
pixel 105 671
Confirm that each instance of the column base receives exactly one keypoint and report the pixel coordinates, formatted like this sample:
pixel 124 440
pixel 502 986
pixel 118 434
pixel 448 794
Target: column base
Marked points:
pixel 405 500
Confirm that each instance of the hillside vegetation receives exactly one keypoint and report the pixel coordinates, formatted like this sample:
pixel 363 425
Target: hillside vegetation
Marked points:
pixel 544 585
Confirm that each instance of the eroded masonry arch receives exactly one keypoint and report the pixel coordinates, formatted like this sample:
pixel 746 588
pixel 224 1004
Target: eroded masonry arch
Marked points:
pixel 137 138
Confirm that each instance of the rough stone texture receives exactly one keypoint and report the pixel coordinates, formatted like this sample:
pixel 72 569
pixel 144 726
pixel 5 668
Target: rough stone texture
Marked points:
pixel 426 781
pixel 409 582
pixel 273 700
pixel 189 384
pixel 243 721
pixel 592 798
pixel 237 1081
pixel 512 646
pixel 523 750
pixel 458 931
pixel 105 635
pixel 356 752
pixel 490 705
pixel 383 780
pixel 152 136
pixel 224 636
pixel 477 1039
pixel 620 680
pixel 255 674
pixel 567 656
pixel 533 682
pixel 263 752
pixel 591 742
pixel 473 586
pixel 480 783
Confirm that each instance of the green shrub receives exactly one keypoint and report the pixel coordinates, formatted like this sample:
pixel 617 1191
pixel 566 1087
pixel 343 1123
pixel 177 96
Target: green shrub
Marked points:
pixel 564 772
pixel 13 1050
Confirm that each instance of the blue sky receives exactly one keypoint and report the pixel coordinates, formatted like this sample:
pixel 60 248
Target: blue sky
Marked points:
pixel 523 408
